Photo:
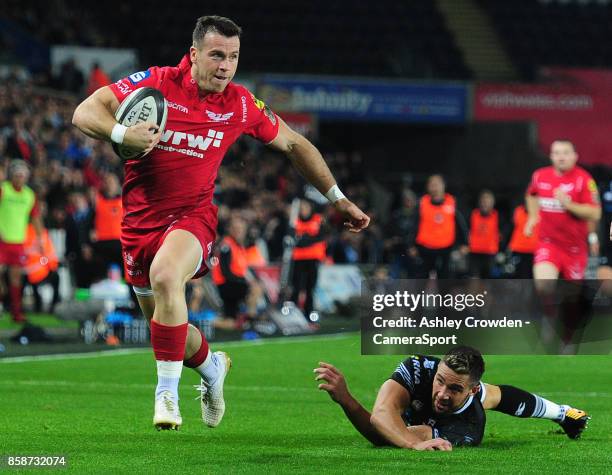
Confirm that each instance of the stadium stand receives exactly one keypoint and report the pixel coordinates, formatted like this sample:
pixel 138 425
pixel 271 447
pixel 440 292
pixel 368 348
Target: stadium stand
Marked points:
pixel 384 38
pixel 550 32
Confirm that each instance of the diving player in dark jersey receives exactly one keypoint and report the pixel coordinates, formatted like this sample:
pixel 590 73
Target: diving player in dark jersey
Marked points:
pixel 435 404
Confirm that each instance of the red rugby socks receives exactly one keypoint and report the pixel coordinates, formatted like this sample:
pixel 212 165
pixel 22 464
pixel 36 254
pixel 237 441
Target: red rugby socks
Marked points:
pixel 199 356
pixel 169 348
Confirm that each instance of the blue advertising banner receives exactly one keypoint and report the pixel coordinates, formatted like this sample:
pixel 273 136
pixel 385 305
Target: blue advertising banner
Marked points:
pixel 363 100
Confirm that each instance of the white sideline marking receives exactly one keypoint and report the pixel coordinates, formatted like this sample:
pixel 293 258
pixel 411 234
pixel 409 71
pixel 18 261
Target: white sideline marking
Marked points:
pixel 129 351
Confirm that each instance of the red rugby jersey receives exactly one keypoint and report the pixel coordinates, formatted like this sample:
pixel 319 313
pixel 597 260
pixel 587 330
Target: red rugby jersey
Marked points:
pixel 179 174
pixel 557 225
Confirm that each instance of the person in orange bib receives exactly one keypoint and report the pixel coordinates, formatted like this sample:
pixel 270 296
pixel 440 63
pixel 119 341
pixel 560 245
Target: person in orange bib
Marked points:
pixel 484 236
pixel 230 272
pixel 310 250
pixel 41 267
pixel 441 226
pixel 522 246
pixel 106 234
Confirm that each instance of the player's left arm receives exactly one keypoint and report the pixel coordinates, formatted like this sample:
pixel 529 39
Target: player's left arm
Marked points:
pixel 310 163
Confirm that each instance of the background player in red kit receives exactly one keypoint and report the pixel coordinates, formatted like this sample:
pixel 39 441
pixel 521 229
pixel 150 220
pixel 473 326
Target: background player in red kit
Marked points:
pixel 169 220
pixel 562 198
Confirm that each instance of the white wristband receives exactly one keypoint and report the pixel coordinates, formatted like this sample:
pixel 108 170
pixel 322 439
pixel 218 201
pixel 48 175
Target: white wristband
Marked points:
pixel 118 133
pixel 593 238
pixel 334 194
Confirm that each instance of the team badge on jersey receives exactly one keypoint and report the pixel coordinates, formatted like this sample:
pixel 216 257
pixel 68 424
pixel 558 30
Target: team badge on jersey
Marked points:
pixel 261 105
pixel 139 76
pixel 258 102
pixel 219 117
pixel 592 187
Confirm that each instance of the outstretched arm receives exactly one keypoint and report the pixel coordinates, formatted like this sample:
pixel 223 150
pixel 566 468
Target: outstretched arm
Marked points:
pixel 309 162
pixel 375 429
pixel 335 385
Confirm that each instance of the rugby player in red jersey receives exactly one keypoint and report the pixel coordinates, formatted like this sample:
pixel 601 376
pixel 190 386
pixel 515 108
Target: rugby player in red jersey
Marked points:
pixel 562 198
pixel 169 220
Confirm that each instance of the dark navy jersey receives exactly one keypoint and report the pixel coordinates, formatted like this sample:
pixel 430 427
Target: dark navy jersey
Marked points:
pixel 465 426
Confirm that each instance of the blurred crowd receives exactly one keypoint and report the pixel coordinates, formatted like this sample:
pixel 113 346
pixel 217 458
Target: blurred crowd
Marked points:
pixel 69 172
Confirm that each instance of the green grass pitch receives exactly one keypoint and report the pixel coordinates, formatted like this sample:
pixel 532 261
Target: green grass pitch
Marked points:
pixel 98 411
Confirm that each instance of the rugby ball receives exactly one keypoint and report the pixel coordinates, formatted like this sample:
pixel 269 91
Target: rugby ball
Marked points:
pixel 143 105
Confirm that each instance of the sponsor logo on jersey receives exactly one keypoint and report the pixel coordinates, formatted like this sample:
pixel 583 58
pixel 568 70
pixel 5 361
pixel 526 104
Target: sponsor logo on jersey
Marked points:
pixel 551 205
pixel 219 117
pixel 244 109
pixel 544 186
pixel 417 371
pixel 566 187
pixel 258 102
pixel 132 267
pixel 178 107
pixel 139 76
pixel 194 142
pixel 124 87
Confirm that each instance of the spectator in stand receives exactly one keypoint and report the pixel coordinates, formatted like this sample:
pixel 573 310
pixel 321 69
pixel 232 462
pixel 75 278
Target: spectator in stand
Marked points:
pixel 97 79
pixel 79 251
pixel 70 77
pixel 401 232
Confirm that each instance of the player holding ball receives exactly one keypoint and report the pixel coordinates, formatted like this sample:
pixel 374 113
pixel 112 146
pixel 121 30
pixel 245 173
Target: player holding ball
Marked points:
pixel 169 219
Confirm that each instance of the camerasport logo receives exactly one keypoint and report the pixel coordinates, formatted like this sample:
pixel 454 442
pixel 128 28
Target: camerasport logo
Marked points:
pixel 193 142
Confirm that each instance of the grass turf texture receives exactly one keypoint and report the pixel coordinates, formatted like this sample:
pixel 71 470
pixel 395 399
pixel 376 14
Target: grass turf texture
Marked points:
pixel 98 411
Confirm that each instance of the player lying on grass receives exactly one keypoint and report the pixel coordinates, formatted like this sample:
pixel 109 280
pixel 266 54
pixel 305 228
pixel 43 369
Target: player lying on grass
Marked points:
pixel 433 404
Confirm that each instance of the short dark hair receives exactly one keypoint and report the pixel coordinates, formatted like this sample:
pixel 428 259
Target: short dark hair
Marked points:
pixel 214 24
pixel 465 360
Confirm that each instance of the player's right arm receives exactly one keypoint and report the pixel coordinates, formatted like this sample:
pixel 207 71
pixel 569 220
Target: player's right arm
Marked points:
pixel 391 402
pixel 335 385
pixel 95 117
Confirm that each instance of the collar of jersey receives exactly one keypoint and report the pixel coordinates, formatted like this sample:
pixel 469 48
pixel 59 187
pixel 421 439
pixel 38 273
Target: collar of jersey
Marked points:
pixel 465 405
pixel 190 85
